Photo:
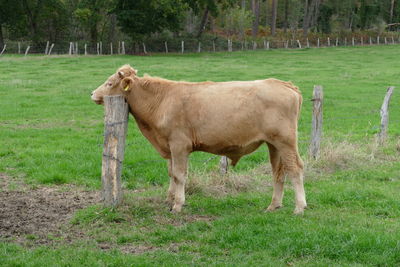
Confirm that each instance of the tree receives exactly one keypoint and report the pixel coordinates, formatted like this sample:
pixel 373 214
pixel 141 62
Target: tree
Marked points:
pixel 142 17
pixel 255 6
pixel 273 17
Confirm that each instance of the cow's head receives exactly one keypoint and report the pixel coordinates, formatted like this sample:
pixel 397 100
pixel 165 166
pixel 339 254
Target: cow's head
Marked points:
pixel 112 85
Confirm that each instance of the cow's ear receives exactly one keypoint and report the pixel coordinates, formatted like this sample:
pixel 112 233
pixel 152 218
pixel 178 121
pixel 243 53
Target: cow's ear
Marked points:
pixel 127 84
pixel 121 74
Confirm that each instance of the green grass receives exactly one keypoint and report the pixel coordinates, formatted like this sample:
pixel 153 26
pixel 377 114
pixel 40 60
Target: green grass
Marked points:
pixel 51 133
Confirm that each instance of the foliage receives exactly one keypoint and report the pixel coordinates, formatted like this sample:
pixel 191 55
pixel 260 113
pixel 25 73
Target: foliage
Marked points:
pixel 236 20
pixel 143 17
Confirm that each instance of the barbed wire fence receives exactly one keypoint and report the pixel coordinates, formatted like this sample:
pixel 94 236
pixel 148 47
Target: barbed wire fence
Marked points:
pixel 372 123
pixel 188 45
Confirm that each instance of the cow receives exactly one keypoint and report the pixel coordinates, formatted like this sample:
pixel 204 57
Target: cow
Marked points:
pixel 230 119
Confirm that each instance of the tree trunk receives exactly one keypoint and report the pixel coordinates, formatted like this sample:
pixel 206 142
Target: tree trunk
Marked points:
pixel 255 5
pixel 203 22
pixel 1 37
pixel 391 11
pixel 273 19
pixel 285 23
pixel 305 19
pixel 243 4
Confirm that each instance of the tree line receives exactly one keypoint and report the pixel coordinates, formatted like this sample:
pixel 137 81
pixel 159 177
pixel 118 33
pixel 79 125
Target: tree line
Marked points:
pixel 106 20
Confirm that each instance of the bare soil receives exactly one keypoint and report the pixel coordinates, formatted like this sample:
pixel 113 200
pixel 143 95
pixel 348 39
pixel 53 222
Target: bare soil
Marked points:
pixel 39 215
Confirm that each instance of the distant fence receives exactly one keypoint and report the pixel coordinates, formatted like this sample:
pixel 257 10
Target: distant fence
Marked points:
pixel 189 46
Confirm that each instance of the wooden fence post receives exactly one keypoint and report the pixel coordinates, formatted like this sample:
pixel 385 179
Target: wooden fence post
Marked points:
pixel 385 116
pixel 76 48
pixel 166 47
pixel 213 45
pixel 70 48
pixel 337 41
pixel 254 45
pixel 329 41
pixel 362 40
pixel 27 50
pixel 19 48
pixel 308 43
pixel 345 41
pixel 183 46
pixel 46 50
pixel 199 48
pixel 115 128
pixel 223 165
pixel 267 45
pixel 385 40
pixel 119 47
pixel 4 49
pixel 377 40
pixel 144 48
pixel 123 47
pixel 111 49
pixel 316 131
pixel 85 49
pixel 370 40
pixel 101 48
pixel 51 48
pixel 352 41
pixel 299 44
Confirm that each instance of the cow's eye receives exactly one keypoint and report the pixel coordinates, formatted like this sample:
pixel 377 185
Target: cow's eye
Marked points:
pixel 109 84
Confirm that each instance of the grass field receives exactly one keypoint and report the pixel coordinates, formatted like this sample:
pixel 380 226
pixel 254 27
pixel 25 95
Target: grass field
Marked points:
pixel 51 133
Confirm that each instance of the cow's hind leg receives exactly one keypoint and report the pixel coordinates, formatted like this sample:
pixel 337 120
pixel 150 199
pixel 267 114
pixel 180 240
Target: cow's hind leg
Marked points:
pixel 179 174
pixel 278 178
pixel 293 167
pixel 171 190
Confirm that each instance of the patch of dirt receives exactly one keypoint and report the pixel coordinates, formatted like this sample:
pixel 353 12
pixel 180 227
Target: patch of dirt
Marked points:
pixel 39 214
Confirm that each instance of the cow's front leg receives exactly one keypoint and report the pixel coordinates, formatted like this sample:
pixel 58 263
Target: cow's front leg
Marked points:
pixel 171 190
pixel 179 174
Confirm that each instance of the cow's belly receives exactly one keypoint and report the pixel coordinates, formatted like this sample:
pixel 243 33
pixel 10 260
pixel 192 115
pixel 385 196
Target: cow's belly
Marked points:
pixel 230 151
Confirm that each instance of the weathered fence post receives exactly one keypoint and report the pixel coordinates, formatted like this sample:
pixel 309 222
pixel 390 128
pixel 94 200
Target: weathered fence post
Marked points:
pixel 329 41
pixel 115 128
pixel 119 47
pixel 111 48
pixel 213 45
pixel 337 41
pixel 76 48
pixel 392 39
pixel 352 41
pixel 123 47
pixel 199 48
pixel 267 45
pixel 51 48
pixel 299 44
pixel 101 48
pixel 362 40
pixel 27 50
pixel 223 165
pixel 370 40
pixel 19 48
pixel 345 41
pixel 377 40
pixel 308 43
pixel 70 48
pixel 4 49
pixel 385 116
pixel 85 49
pixel 166 47
pixel 254 45
pixel 46 50
pixel 385 40
pixel 316 131
pixel 183 46
pixel 144 48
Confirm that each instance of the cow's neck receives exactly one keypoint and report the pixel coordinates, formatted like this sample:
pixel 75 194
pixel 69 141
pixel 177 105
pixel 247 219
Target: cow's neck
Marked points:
pixel 145 98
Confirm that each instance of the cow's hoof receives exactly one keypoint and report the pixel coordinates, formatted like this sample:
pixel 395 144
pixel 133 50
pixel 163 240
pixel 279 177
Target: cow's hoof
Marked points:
pixel 298 211
pixel 273 207
pixel 176 209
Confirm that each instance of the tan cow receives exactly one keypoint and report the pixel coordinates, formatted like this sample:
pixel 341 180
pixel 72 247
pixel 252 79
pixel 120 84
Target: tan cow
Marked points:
pixel 223 118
